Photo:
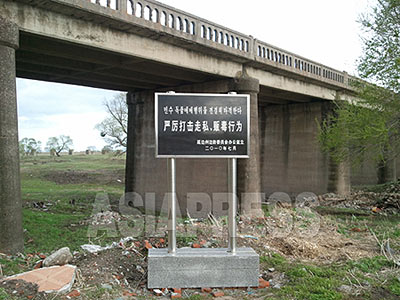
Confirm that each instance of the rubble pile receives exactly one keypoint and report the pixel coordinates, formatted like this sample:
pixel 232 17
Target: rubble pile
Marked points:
pixel 387 200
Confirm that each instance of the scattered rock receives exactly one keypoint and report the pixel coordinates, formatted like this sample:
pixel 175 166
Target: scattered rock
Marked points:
pixel 57 279
pixel 262 283
pixel 61 257
pixel 376 209
pixel 129 294
pixel 218 294
pixel 140 269
pixel 105 218
pixel 38 265
pixel 345 289
pixel 158 292
pixel 147 244
pixel 19 286
pixel 74 293
pixel 106 286
pixel 123 243
pixel 176 295
pixel 206 290
pixel 94 248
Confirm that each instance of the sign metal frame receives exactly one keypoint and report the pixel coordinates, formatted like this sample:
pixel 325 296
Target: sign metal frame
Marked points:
pixel 232 174
pixel 204 95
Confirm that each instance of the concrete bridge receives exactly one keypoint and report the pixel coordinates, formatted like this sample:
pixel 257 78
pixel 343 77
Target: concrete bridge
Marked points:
pixel 143 46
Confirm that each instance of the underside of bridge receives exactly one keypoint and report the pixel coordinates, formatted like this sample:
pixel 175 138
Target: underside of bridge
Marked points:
pixel 48 59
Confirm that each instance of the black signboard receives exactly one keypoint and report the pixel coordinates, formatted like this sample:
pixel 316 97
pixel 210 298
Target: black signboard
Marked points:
pixel 202 125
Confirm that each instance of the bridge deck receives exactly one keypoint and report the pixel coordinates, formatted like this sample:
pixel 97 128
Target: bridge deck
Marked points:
pixel 144 44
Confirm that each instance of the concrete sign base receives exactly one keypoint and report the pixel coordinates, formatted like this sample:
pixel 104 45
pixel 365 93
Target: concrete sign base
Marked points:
pixel 204 267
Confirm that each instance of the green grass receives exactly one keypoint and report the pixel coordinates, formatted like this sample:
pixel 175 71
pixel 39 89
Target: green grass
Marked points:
pixel 319 282
pixel 274 260
pixel 13 266
pixel 394 286
pixel 4 295
pixel 65 224
pixel 46 232
pixel 75 162
pixel 370 265
pixel 304 281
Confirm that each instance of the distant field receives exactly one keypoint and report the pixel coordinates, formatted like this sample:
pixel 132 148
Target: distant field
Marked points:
pixel 67 186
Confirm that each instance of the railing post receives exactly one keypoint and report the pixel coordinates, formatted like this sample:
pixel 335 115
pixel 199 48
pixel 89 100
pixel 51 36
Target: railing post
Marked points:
pixel 122 6
pixel 142 10
pixel 197 29
pixel 253 47
pixel 346 78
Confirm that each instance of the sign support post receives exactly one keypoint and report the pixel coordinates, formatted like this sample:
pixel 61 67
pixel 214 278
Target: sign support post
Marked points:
pixel 232 178
pixel 172 206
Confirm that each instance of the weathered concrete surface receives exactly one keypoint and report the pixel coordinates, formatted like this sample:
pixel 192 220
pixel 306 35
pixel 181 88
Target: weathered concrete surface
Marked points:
pixel 195 268
pixel 56 279
pixel 371 172
pixel 291 159
pixel 249 181
pixel 131 140
pixel 11 237
pixel 297 86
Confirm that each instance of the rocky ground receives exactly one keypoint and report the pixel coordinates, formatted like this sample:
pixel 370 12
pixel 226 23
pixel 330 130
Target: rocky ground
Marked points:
pixel 305 233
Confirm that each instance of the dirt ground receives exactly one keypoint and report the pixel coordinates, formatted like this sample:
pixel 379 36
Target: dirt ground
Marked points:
pixel 81 177
pixel 298 235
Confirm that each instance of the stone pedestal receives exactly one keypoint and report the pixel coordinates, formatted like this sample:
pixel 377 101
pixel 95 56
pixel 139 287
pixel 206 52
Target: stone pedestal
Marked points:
pixel 11 235
pixel 204 267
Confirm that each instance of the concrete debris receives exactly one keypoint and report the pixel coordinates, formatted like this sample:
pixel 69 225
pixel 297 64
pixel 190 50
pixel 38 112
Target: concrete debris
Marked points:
pixel 94 248
pixel 123 243
pixel 249 237
pixel 158 292
pixel 106 286
pixel 388 200
pixel 61 257
pixel 345 289
pixel 105 218
pixel 56 279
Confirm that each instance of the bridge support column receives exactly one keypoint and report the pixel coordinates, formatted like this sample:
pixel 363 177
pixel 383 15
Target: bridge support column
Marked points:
pixel 249 180
pixel 11 234
pixel 130 149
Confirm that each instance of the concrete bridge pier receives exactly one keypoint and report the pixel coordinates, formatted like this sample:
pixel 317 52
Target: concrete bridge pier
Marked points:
pixel 249 176
pixel 11 234
pixel 130 155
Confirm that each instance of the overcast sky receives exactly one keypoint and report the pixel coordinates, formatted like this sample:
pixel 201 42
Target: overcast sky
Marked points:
pixel 321 30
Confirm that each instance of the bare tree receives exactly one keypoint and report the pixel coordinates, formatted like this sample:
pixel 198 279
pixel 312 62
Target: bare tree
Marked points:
pixel 29 146
pixel 59 144
pixel 114 128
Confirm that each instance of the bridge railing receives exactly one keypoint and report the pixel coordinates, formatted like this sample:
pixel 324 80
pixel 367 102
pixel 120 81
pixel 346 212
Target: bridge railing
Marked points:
pixel 187 24
pixel 300 64
pixel 180 21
